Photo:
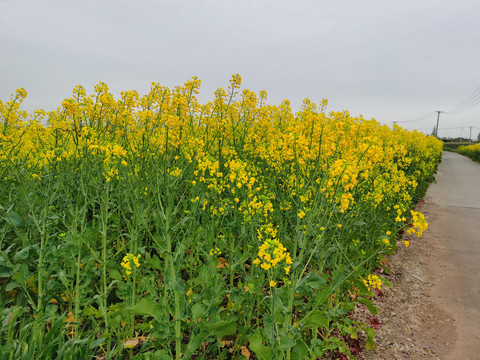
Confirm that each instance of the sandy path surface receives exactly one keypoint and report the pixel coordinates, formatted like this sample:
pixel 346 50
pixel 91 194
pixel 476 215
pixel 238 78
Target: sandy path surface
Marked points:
pixel 432 310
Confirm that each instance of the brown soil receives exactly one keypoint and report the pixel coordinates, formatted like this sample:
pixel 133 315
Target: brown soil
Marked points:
pixel 412 325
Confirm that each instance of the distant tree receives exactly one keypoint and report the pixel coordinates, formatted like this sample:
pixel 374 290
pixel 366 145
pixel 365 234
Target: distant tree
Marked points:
pixel 478 137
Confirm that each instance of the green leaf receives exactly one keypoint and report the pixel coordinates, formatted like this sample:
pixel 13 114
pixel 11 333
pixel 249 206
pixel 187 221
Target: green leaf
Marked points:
pixel 4 273
pixel 12 285
pixel 317 319
pixel 315 281
pixel 198 311
pixel 156 263
pixel 115 275
pixel 178 285
pixel 153 355
pixel 221 327
pixel 287 342
pixel 64 279
pixel 15 220
pixel 91 311
pixel 97 342
pixel 369 304
pixel 22 254
pixel 148 307
pixel 212 328
pixel 258 348
pixel 370 345
pixel 21 273
pixel 322 296
pixel 300 350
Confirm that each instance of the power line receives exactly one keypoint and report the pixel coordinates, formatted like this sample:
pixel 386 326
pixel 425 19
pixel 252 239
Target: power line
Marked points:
pixel 426 116
pixel 467 107
pixel 460 127
pixel 450 128
pixel 469 102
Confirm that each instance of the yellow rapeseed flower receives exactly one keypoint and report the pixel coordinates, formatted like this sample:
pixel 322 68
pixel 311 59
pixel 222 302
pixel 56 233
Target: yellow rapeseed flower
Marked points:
pixel 271 253
pixel 215 251
pixel 373 281
pixel 130 262
pixel 265 266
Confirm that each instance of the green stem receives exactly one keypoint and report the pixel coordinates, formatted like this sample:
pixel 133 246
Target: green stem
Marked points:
pixel 178 335
pixel 104 226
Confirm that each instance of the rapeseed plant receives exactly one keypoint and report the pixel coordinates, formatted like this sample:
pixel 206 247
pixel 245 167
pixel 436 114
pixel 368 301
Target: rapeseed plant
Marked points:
pixel 164 178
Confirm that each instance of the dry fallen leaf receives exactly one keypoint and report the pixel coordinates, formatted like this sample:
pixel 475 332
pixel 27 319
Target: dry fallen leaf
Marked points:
pixel 128 344
pixel 222 263
pixel 245 352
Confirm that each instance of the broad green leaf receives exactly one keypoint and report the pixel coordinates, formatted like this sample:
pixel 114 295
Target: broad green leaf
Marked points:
pixel 178 285
pixel 15 220
pixel 148 307
pixel 259 349
pixel 317 347
pixel 322 296
pixel 21 273
pixel 198 311
pixel 287 342
pixel 115 275
pixel 317 318
pixel 22 254
pixel 315 281
pixel 156 263
pixel 12 285
pixel 221 328
pixel 5 273
pixel 300 351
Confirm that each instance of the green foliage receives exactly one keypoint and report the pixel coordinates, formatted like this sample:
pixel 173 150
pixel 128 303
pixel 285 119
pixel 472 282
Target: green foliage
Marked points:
pixel 130 228
pixel 472 151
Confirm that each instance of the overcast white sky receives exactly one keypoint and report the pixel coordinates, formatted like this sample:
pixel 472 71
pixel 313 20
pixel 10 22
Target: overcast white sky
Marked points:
pixel 383 59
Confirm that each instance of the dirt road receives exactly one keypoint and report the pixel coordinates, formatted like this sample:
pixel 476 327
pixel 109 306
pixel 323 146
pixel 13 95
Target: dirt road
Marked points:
pixel 432 309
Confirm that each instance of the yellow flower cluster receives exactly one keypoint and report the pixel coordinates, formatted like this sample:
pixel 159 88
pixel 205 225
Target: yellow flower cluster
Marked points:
pixel 130 262
pixel 419 224
pixel 271 253
pixel 218 138
pixel 215 251
pixel 373 281
pixel 472 151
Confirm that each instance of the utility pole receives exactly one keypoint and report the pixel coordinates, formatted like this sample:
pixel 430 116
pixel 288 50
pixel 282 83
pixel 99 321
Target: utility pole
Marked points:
pixel 470 138
pixel 438 117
